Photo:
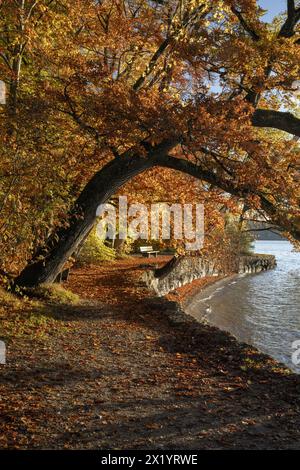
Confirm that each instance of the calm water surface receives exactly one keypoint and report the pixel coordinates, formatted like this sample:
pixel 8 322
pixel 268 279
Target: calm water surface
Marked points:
pixel 262 309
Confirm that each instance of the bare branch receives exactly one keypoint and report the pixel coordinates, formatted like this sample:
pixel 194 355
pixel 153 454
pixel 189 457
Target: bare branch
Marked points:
pixel 245 25
pixel 199 12
pixel 272 229
pixel 5 59
pixel 77 118
pixel 158 53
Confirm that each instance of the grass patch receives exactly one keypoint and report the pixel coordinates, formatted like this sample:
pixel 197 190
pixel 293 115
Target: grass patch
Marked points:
pixel 55 293
pixel 33 325
pixel 32 317
pixel 94 251
pixel 21 317
pixel 9 300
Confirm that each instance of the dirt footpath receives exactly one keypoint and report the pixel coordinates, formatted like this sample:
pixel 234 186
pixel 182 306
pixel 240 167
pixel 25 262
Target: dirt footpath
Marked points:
pixel 123 370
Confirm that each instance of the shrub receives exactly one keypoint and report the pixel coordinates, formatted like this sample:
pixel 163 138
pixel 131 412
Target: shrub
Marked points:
pixel 241 242
pixel 94 251
pixel 54 293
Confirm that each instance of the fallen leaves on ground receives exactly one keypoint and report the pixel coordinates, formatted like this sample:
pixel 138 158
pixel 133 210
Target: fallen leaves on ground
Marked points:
pixel 114 373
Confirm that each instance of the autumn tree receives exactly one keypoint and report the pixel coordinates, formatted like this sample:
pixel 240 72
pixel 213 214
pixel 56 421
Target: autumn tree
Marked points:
pixel 109 89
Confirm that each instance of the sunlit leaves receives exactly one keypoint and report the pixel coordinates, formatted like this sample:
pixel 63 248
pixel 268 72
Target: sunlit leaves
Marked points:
pixel 89 80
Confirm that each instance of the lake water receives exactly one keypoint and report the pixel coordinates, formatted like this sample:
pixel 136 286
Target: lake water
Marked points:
pixel 261 309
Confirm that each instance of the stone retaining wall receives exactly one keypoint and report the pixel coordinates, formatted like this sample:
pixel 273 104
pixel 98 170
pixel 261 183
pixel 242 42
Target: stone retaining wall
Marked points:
pixel 190 268
pixel 256 263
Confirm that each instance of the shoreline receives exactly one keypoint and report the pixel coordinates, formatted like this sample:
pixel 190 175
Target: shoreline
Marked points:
pixel 191 306
pixel 200 295
pixel 186 310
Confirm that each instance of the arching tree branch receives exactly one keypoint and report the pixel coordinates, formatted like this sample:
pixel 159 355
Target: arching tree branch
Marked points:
pixel 291 225
pixel 293 16
pixel 283 121
pixel 245 25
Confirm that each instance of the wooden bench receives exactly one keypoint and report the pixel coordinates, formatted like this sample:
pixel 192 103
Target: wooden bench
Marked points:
pixel 148 251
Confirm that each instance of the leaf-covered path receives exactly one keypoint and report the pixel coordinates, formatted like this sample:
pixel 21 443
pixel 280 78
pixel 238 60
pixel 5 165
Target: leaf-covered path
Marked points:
pixel 117 372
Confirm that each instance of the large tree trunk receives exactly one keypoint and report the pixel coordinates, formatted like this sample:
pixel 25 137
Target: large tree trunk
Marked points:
pixel 48 262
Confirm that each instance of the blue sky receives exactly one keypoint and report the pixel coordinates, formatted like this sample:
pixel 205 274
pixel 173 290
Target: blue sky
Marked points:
pixel 274 7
